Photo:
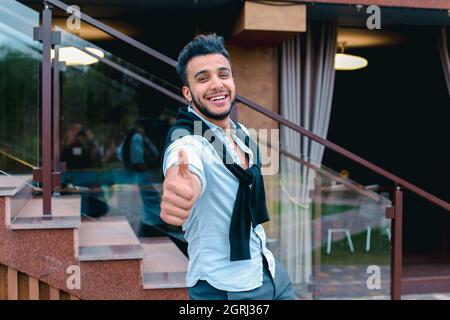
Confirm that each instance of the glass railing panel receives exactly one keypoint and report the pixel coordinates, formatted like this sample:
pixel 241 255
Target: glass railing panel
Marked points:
pixel 329 232
pixel 19 88
pixel 113 128
pixel 315 213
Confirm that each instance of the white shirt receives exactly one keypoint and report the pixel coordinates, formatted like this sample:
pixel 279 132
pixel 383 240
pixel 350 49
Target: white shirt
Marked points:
pixel 208 225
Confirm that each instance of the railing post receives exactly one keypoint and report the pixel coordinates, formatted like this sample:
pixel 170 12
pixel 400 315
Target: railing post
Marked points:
pixel 46 122
pixel 397 245
pixel 46 174
pixel 317 232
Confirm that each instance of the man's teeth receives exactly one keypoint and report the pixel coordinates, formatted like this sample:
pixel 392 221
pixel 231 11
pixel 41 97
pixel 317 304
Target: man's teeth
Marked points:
pixel 218 98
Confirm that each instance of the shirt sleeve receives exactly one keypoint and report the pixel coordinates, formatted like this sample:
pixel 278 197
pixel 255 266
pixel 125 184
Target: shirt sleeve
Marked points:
pixel 193 148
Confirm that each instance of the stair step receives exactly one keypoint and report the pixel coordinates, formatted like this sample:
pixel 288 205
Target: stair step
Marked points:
pixel 10 185
pixel 164 265
pixel 108 238
pixel 65 215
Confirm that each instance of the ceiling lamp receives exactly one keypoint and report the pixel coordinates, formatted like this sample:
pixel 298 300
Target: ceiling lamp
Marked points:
pixel 344 61
pixel 97 52
pixel 75 57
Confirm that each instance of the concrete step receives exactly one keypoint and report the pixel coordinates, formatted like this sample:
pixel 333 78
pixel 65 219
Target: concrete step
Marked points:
pixel 65 214
pixel 11 185
pixel 164 265
pixel 108 238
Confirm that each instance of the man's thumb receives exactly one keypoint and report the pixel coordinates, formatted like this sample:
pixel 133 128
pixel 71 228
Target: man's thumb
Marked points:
pixel 183 163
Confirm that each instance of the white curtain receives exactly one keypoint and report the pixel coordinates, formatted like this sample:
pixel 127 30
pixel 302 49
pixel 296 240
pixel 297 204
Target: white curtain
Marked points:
pixel 444 53
pixel 307 81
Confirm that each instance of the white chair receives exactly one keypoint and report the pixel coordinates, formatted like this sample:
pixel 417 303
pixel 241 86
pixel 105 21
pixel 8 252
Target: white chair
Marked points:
pixel 347 234
pixel 387 230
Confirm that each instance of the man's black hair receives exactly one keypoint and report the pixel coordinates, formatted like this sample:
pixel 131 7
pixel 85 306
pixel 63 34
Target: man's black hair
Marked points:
pixel 199 46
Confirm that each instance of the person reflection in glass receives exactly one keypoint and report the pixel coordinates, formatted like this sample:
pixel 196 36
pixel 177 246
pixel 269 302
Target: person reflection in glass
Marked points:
pixel 81 153
pixel 140 157
pixel 142 160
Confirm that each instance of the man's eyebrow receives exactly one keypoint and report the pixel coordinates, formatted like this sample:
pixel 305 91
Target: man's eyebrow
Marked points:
pixel 199 73
pixel 206 71
pixel 224 69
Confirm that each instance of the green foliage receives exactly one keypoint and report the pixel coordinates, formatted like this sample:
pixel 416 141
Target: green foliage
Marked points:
pixel 331 208
pixel 100 100
pixel 94 96
pixel 19 107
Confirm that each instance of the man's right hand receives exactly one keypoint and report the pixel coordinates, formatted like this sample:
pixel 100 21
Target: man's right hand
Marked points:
pixel 181 189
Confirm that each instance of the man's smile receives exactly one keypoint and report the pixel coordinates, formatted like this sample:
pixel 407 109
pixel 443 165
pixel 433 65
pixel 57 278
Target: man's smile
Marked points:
pixel 219 99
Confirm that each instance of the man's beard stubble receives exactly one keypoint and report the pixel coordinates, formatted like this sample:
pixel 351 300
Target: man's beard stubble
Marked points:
pixel 204 110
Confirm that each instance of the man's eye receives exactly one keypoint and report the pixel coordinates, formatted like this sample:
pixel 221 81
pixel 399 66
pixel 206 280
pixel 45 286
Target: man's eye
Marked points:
pixel 224 75
pixel 202 79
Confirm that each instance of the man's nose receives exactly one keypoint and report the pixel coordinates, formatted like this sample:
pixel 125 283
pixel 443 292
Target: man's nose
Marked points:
pixel 216 83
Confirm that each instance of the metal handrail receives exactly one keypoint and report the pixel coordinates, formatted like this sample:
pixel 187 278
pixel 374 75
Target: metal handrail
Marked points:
pixel 268 113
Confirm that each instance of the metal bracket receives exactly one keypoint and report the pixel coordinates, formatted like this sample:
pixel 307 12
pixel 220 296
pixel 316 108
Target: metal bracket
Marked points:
pixel 37 36
pixel 56 177
pixel 390 212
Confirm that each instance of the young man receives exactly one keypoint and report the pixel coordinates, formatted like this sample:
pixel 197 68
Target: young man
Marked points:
pixel 213 185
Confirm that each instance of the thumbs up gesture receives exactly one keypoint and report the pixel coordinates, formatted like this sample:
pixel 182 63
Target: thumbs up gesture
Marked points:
pixel 183 165
pixel 181 188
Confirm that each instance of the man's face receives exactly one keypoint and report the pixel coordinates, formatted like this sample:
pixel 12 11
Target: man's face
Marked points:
pixel 211 86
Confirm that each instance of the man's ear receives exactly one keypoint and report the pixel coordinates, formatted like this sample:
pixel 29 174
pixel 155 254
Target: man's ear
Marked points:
pixel 187 93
